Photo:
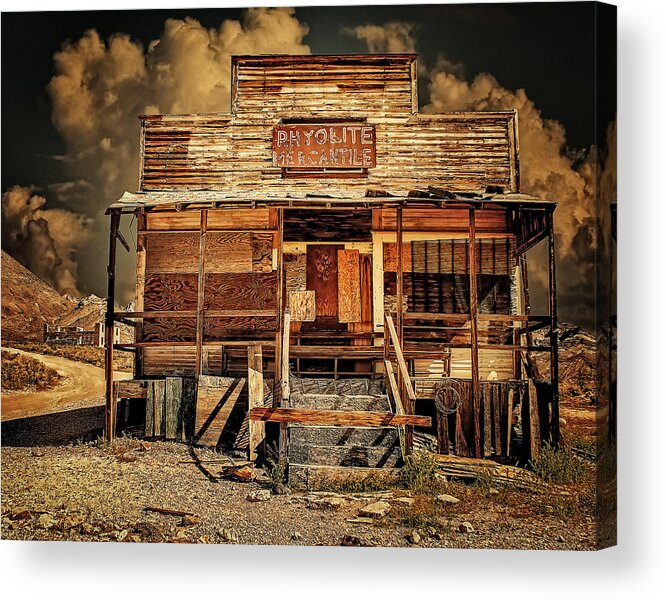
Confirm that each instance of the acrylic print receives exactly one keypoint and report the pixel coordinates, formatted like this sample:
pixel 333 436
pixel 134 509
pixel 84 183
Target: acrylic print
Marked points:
pixel 314 276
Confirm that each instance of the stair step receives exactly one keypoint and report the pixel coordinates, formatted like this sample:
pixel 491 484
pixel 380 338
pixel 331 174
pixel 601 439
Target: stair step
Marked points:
pixel 346 456
pixel 318 385
pixel 314 435
pixel 340 402
pixel 312 477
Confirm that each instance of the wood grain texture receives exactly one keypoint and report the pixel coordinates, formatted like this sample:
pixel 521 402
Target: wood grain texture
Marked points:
pixel 240 291
pixel 229 252
pixel 225 328
pixel 216 399
pixel 255 382
pixel 172 253
pixel 349 286
pixel 243 218
pixel 262 252
pixel 360 418
pixel 170 291
pixel 391 257
pixel 302 305
pixel 169 329
pixel 322 277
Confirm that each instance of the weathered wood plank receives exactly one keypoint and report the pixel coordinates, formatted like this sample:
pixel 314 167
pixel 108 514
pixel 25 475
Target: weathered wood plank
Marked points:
pixel 216 399
pixel 229 252
pixel 391 257
pixel 155 409
pixel 349 286
pixel 172 253
pixel 336 417
pixel 262 252
pixel 170 291
pixel 173 413
pixel 255 384
pixel 240 291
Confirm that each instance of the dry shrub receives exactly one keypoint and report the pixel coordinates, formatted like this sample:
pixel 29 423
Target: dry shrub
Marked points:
pixel 122 361
pixel 21 372
pixel 420 472
pixel 558 465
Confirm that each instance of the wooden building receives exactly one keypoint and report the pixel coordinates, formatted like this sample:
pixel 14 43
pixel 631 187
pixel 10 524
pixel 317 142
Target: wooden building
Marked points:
pixel 328 258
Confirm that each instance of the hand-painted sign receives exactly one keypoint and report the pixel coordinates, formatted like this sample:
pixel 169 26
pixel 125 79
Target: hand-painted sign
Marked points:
pixel 324 146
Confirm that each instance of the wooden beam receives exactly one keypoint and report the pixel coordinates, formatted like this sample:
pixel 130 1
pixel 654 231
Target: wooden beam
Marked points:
pixel 554 369
pixel 108 328
pixel 402 365
pixel 255 383
pixel 473 301
pixel 358 418
pixel 139 289
pixel 280 303
pixel 201 272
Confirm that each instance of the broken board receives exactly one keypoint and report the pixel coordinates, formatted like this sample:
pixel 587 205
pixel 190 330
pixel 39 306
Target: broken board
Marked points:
pixel 217 397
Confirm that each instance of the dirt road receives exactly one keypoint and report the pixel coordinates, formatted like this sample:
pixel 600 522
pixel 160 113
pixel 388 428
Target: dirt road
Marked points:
pixel 83 387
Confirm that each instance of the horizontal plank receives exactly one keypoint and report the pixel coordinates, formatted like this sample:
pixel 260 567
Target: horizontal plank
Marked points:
pixel 336 417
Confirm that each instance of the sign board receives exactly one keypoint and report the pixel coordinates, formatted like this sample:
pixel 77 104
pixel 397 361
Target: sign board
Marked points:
pixel 324 147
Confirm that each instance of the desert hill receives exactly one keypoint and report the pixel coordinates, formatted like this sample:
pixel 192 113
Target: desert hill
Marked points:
pixel 28 302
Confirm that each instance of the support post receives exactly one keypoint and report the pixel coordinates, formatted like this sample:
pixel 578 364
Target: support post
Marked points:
pixel 255 387
pixel 474 341
pixel 554 369
pixel 279 244
pixel 409 404
pixel 108 329
pixel 201 272
pixel 140 289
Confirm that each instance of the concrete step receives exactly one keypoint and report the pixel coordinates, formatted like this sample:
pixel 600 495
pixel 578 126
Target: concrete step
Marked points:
pixel 314 435
pixel 346 456
pixel 340 402
pixel 319 385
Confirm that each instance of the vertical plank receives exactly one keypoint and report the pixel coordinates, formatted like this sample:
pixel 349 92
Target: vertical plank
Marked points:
pixel 533 421
pixel 173 416
pixel 108 326
pixel 365 326
pixel 497 418
pixel 255 383
pixel 473 300
pixel 149 427
pixel 279 245
pixel 188 408
pixel 156 400
pixel 409 404
pixel 349 286
pixel 201 272
pixel 486 402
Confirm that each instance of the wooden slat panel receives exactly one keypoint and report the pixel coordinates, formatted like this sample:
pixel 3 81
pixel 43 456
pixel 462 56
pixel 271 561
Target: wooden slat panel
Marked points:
pixel 229 252
pixel 172 253
pixel 173 417
pixel 240 291
pixel 322 277
pixel 349 286
pixel 216 399
pixel 302 305
pixel 168 360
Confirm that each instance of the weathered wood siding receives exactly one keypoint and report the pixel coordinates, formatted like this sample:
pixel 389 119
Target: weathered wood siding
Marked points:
pixel 233 153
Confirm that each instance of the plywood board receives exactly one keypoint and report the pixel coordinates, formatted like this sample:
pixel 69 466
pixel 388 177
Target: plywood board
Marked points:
pixel 216 399
pixel 302 305
pixel 240 291
pixel 391 257
pixel 322 277
pixel 228 252
pixel 170 291
pixel 349 286
pixel 172 253
pixel 295 271
pixel 239 218
pixel 262 252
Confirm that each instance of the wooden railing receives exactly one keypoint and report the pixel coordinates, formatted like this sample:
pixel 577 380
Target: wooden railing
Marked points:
pixel 403 384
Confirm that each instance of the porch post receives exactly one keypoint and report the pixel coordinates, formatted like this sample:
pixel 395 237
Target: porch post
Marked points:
pixel 474 336
pixel 109 413
pixel 554 370
pixel 203 225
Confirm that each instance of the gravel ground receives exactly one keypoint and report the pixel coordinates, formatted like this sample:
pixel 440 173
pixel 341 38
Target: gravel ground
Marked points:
pixel 92 492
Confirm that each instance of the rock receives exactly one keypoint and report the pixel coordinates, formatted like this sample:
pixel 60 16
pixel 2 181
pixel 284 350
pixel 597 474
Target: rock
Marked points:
pixel 333 503
pixel 413 537
pixel 563 422
pixel 376 509
pixel 121 535
pixel 19 514
pixel 38 452
pixel 259 496
pixel 189 521
pixel 465 527
pixel 296 536
pixel 243 474
pixel 45 521
pixel 229 535
pixel 361 520
pixel 493 491
pixel 430 531
pixel 404 500
pixel 280 489
pixel 560 538
pixel 352 540
pixel 447 499
pixel 145 446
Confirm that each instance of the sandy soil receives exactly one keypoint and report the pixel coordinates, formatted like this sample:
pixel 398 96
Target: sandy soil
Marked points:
pixel 83 387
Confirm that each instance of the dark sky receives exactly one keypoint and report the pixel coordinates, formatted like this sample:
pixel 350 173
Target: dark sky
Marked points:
pixel 545 48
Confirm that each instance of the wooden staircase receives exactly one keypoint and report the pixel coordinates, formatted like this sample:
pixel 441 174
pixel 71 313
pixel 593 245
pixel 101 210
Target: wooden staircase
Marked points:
pixel 318 453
